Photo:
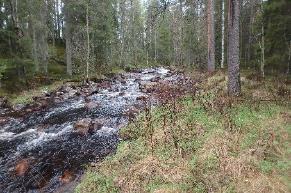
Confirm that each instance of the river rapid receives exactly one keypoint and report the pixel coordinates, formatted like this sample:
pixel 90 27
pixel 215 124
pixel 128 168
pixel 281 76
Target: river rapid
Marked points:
pixel 44 147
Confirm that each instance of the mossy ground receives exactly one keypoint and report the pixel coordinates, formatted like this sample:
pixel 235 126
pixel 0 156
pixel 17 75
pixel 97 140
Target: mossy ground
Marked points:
pixel 203 143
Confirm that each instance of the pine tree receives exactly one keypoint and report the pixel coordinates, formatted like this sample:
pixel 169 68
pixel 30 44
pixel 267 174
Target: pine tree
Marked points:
pixel 234 87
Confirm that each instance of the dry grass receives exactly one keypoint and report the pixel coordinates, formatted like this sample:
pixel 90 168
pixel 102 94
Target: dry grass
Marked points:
pixel 206 143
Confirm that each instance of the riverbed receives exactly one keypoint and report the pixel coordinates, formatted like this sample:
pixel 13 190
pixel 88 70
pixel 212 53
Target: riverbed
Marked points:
pixel 47 145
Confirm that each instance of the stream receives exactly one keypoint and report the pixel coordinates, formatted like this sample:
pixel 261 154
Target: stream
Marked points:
pixel 45 147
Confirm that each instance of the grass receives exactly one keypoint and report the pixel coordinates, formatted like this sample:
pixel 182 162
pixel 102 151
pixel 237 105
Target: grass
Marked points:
pixel 209 143
pixel 26 97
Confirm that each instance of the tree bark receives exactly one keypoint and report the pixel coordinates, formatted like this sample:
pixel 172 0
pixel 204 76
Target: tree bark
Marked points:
pixel 263 45
pixel 222 33
pixel 263 53
pixel 88 42
pixel 289 58
pixel 211 40
pixel 234 86
pixel 68 41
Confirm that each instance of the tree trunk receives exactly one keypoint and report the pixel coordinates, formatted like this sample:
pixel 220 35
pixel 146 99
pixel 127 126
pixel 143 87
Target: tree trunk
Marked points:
pixel 263 53
pixel 34 49
pixel 211 40
pixel 289 59
pixel 68 41
pixel 88 42
pixel 263 46
pixel 155 34
pixel 222 33
pixel 234 86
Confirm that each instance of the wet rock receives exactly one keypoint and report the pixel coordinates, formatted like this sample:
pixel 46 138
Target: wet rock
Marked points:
pixel 70 94
pixel 156 79
pixel 141 98
pixel 92 105
pixel 67 177
pixel 3 120
pixel 121 93
pixel 22 167
pixel 96 125
pixel 104 85
pixel 93 92
pixel 28 110
pixel 147 87
pixel 83 126
pixel 43 102
pixel 57 99
pixel 59 93
pixel 18 107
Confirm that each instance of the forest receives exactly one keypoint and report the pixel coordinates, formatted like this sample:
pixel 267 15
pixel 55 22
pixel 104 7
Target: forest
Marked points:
pixel 145 96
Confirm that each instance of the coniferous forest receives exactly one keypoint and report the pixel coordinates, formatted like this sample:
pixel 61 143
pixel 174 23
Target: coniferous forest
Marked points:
pixel 145 96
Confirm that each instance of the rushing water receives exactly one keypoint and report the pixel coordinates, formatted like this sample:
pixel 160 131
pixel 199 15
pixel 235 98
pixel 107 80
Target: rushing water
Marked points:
pixel 40 151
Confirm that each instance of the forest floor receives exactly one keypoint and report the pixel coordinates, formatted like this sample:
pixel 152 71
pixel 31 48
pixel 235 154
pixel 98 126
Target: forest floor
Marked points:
pixel 204 142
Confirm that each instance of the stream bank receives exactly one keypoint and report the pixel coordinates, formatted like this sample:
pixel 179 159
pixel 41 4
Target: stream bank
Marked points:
pixel 46 145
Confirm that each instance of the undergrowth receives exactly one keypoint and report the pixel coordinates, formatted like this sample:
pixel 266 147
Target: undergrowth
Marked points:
pixel 203 142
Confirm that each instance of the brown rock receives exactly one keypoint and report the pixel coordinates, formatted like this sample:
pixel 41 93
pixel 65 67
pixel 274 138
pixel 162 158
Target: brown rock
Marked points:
pixel 96 125
pixel 22 167
pixel 147 86
pixel 67 177
pixel 141 98
pixel 2 120
pixel 104 85
pixel 83 126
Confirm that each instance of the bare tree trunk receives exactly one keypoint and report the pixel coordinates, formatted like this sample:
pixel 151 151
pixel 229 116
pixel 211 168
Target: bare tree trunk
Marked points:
pixel 155 34
pixel 43 38
pixel 88 42
pixel 263 46
pixel 58 20
pixel 263 53
pixel 211 41
pixel 289 59
pixel 181 54
pixel 34 49
pixel 234 86
pixel 68 41
pixel 222 33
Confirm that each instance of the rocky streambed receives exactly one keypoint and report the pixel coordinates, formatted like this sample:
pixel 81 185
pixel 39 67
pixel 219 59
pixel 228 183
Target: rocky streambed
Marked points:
pixel 45 146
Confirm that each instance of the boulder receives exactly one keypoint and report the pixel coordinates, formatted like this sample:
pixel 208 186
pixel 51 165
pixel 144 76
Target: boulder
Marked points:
pixel 147 87
pixel 92 105
pixel 3 120
pixel 104 85
pixel 18 107
pixel 83 126
pixel 141 98
pixel 57 99
pixel 67 177
pixel 96 125
pixel 21 167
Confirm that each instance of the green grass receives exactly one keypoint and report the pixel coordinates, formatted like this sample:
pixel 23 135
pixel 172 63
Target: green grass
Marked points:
pixel 26 97
pixel 244 148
